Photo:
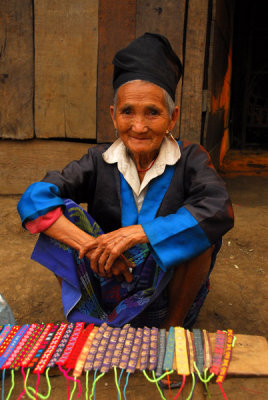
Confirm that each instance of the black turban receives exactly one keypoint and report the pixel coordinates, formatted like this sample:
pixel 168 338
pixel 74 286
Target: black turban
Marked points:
pixel 150 58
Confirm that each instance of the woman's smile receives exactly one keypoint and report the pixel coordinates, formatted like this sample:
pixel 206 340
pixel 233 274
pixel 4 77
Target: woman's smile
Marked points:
pixel 139 138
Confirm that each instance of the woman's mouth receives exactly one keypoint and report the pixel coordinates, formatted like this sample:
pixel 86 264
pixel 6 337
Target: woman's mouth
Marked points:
pixel 139 138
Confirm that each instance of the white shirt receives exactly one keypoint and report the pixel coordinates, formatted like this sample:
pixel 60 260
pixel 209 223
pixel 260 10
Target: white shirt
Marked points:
pixel 169 154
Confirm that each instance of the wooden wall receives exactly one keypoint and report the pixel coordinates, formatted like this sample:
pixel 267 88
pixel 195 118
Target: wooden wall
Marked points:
pixel 16 69
pixel 66 44
pixel 192 91
pixel 117 21
pixel 56 70
pixel 216 130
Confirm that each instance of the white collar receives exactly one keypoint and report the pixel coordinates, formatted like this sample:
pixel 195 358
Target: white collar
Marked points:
pixel 169 154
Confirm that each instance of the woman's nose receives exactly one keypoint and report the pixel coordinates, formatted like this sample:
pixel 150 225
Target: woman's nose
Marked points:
pixel 139 125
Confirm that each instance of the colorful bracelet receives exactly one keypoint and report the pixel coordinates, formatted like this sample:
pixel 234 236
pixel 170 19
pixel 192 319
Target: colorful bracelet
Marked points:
pixel 218 352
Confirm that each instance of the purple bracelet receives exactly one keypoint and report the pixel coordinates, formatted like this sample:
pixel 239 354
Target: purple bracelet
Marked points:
pixel 134 355
pixel 127 348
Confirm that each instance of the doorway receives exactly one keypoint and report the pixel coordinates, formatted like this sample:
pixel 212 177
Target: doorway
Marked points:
pixel 249 101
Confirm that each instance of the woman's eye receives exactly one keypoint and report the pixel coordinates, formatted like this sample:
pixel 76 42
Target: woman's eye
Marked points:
pixel 126 111
pixel 153 112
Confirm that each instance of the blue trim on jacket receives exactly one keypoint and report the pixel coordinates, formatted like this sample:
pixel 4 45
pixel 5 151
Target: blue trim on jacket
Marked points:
pixel 175 238
pixel 38 200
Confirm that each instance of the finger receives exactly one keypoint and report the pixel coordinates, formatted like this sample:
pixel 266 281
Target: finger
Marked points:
pixel 93 257
pixel 110 255
pixel 89 246
pixel 103 271
pixel 116 270
pixel 119 268
pixel 129 263
pixel 128 276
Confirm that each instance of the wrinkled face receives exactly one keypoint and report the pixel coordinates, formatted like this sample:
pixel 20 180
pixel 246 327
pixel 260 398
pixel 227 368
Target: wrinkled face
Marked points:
pixel 141 117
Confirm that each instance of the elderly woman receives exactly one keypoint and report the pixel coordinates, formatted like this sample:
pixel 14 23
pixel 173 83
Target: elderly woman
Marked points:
pixel 157 208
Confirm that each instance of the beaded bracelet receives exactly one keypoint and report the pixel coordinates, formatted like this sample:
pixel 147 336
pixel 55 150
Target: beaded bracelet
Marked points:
pixel 226 357
pixel 145 348
pixel 12 345
pixel 20 346
pixel 153 349
pixel 181 352
pixel 168 360
pixel 218 352
pixel 161 352
pixel 134 354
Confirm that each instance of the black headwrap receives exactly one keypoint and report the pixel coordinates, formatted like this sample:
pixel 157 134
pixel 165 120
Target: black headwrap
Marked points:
pixel 150 58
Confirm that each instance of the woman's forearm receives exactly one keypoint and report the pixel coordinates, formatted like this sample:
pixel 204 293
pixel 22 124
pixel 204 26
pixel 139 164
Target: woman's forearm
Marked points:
pixel 66 232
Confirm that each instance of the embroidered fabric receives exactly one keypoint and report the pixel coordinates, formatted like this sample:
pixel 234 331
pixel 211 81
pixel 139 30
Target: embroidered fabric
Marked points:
pixel 92 299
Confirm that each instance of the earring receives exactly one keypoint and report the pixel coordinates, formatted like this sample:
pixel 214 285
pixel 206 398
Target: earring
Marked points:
pixel 116 133
pixel 169 133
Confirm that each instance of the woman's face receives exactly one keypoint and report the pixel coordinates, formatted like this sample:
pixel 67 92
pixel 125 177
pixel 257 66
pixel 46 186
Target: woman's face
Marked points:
pixel 142 118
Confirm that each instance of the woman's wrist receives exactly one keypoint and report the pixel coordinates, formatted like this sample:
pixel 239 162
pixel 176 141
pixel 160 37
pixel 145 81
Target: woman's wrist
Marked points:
pixel 66 232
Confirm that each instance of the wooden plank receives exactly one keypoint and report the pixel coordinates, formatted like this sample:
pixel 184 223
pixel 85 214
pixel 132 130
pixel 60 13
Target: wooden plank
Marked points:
pixel 246 355
pixel 216 130
pixel 249 355
pixel 22 163
pixel 117 21
pixel 66 41
pixel 166 18
pixel 248 162
pixel 222 11
pixel 16 69
pixel 218 66
pixel 191 113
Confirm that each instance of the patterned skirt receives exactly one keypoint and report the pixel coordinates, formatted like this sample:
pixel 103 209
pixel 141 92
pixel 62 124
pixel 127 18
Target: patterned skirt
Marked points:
pixel 92 299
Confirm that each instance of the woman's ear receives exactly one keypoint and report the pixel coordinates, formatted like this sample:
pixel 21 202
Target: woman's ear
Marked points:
pixel 174 118
pixel 113 116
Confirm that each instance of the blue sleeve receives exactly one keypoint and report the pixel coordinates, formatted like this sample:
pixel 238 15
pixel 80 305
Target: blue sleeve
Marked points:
pixel 175 238
pixel 38 200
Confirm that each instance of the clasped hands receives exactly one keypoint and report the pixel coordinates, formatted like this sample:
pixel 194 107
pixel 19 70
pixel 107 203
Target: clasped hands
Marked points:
pixel 105 251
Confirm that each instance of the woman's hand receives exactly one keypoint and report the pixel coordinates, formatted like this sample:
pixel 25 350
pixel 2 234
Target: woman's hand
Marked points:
pixel 107 248
pixel 120 270
pixel 105 251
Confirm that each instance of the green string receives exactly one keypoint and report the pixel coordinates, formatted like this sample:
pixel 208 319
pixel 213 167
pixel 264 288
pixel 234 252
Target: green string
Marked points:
pixel 205 377
pixel 116 383
pixel 158 388
pixel 193 386
pixel 119 381
pixel 25 385
pixel 94 384
pixel 13 384
pixel 48 385
pixel 157 379
pixel 200 377
pixel 234 339
pixel 87 384
pixel 206 383
pixel 72 393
